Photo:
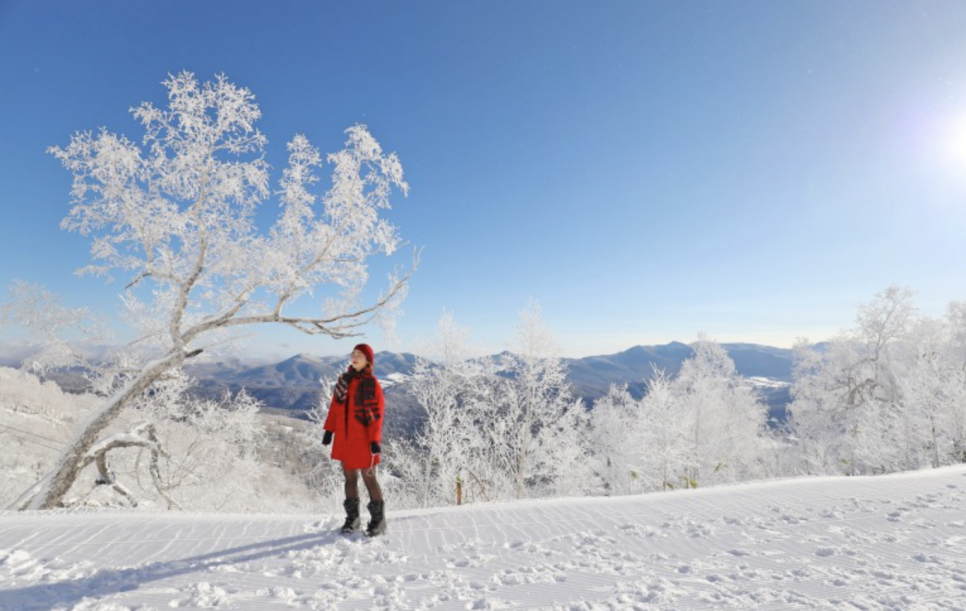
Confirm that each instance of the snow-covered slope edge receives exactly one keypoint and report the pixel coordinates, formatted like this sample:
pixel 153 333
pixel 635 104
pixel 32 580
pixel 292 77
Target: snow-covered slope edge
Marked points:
pixel 888 542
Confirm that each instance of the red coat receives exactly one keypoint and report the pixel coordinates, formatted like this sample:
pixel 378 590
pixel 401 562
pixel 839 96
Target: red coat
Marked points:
pixel 351 438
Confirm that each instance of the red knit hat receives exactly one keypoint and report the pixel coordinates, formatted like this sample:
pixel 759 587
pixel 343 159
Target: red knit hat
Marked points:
pixel 366 350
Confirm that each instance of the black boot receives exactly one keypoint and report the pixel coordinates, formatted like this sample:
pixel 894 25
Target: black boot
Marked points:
pixel 377 525
pixel 352 521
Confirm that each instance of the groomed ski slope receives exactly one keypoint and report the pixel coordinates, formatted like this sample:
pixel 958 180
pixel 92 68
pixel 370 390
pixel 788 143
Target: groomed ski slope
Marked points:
pixel 888 542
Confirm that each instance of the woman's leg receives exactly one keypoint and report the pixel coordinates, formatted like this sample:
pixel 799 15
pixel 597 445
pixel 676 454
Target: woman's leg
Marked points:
pixel 377 509
pixel 351 503
pixel 372 484
pixel 351 482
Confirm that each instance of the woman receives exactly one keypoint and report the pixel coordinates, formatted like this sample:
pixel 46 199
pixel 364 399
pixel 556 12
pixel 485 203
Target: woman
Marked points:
pixel 355 421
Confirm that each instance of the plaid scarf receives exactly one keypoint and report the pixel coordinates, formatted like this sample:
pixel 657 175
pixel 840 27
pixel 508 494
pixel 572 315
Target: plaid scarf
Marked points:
pixel 365 403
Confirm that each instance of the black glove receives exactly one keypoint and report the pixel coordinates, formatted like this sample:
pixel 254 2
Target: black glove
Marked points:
pixel 327 438
pixel 375 447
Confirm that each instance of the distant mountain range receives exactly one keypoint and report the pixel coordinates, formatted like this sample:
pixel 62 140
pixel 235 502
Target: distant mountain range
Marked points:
pixel 770 368
pixel 292 386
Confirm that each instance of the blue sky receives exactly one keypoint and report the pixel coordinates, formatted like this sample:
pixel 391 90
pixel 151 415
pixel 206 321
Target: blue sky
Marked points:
pixel 644 170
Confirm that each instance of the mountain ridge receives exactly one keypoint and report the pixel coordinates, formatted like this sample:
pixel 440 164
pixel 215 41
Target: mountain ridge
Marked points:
pixel 293 384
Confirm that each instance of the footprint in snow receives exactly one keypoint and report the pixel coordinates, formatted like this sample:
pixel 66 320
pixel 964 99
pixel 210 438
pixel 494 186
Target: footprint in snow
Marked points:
pixel 471 561
pixel 634 530
pixel 202 594
pixel 327 525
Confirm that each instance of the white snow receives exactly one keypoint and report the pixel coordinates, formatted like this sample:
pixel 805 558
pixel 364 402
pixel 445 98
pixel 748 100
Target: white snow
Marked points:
pixel 393 379
pixel 886 542
pixel 761 382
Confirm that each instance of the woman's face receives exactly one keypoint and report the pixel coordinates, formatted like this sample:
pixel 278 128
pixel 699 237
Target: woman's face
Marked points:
pixel 359 361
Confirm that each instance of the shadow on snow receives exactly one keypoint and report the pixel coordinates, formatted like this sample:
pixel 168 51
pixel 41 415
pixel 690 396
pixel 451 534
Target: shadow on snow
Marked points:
pixel 112 581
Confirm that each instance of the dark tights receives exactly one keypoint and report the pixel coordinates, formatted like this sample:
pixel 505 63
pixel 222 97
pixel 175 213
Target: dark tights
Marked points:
pixel 368 477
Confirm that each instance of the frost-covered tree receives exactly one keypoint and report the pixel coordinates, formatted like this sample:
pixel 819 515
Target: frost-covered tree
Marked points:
pixel 920 422
pixel 451 445
pixel 665 438
pixel 886 395
pixel 172 448
pixel 506 429
pixel 704 426
pixel 503 430
pixel 725 417
pixel 175 213
pixel 203 439
pixel 215 455
pixel 954 384
pixel 540 428
pixel 933 388
pixel 955 320
pixel 815 422
pixel 35 417
pixel 848 407
pixel 617 438
pixel 51 327
pixel 874 399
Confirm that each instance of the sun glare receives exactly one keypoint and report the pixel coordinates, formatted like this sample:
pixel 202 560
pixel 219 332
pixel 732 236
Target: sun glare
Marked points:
pixel 956 142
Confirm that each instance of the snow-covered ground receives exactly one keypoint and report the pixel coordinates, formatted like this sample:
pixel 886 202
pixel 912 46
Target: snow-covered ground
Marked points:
pixel 888 542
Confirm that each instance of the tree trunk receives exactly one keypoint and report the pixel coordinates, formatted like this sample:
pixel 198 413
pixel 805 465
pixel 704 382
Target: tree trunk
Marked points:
pixel 522 462
pixel 426 479
pixel 55 485
pixel 935 443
